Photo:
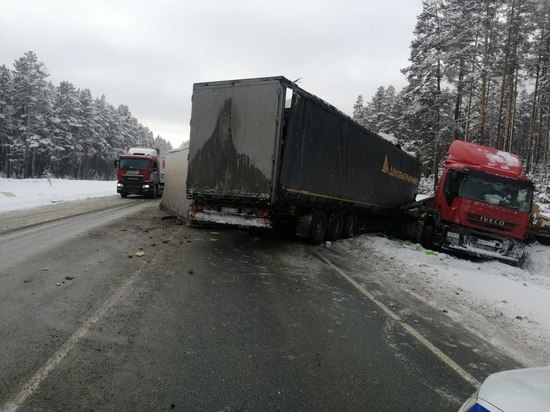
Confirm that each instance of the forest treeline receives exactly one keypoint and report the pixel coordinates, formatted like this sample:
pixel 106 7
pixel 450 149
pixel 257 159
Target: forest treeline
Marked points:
pixel 479 71
pixel 61 131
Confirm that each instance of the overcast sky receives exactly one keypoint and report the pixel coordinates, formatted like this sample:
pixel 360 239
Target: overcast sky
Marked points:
pixel 147 54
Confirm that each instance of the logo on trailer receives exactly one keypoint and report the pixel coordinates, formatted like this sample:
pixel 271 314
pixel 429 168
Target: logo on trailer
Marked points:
pixel 392 171
pixel 385 166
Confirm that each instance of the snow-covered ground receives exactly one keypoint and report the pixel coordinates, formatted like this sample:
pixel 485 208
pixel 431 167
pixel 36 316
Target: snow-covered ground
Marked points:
pixel 17 194
pixel 507 306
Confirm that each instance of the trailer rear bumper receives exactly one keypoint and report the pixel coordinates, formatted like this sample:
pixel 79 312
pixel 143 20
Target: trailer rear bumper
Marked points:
pixel 241 220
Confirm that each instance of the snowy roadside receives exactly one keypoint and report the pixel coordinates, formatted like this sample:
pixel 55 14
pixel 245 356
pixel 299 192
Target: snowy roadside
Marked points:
pixel 19 194
pixel 506 306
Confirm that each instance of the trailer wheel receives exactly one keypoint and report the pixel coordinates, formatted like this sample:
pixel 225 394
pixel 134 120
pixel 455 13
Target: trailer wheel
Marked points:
pixel 350 226
pixel 335 226
pixel 123 194
pixel 318 227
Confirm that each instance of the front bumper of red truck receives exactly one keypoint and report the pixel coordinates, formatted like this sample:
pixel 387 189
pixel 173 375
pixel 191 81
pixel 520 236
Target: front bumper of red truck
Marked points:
pixel 481 244
pixel 141 188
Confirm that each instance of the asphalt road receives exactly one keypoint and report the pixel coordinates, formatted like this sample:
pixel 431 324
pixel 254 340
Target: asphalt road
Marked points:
pixel 204 320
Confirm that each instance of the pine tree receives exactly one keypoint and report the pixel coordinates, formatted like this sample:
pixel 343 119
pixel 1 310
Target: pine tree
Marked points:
pixel 61 130
pixel 489 32
pixel 359 111
pixel 382 113
pixel 7 127
pixel 86 135
pixel 424 96
pixel 388 123
pixel 106 132
pixel 374 112
pixel 539 68
pixel 162 144
pixel 32 104
pixel 66 148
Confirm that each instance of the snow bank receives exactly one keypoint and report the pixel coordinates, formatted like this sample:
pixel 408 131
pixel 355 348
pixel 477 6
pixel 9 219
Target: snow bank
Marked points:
pixel 513 302
pixel 17 194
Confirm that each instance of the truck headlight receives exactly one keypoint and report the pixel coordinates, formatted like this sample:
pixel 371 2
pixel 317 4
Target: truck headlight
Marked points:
pixel 119 185
pixel 145 187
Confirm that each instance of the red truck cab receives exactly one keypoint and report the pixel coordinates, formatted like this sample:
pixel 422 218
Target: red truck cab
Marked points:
pixel 138 173
pixel 483 203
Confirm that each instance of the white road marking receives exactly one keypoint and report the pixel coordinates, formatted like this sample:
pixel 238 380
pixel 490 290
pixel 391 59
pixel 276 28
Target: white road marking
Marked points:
pixel 412 331
pixel 30 387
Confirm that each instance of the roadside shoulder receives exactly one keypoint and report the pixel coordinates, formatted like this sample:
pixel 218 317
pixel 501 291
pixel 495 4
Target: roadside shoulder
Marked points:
pixel 19 219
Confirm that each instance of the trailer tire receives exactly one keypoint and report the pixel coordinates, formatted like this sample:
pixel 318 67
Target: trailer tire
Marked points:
pixel 318 227
pixel 350 226
pixel 123 194
pixel 335 226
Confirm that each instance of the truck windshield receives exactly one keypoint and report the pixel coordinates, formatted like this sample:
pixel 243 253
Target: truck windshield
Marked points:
pixel 136 164
pixel 496 192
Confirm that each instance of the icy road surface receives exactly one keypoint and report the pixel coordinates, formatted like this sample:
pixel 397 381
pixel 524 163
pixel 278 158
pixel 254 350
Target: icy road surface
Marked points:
pixel 140 312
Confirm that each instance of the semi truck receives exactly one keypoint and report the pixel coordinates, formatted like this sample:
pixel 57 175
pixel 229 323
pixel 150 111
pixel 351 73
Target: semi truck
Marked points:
pixel 140 171
pixel 265 153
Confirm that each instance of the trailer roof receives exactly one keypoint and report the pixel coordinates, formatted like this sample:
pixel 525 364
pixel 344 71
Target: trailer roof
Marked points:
pixel 486 159
pixel 284 81
pixel 297 89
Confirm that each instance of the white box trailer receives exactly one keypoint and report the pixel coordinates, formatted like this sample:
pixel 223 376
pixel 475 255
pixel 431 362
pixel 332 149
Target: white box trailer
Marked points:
pixel 174 199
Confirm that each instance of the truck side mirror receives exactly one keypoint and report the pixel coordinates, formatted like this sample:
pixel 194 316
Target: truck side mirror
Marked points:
pixel 115 163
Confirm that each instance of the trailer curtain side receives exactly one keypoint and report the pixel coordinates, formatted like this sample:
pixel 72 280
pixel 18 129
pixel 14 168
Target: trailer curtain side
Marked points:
pixel 326 154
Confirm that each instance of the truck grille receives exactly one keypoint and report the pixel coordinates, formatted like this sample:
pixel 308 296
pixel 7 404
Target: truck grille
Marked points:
pixel 488 223
pixel 132 178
